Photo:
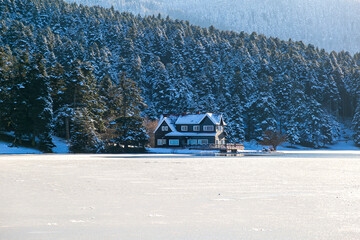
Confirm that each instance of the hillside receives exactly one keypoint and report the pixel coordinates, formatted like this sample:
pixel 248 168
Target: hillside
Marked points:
pixel 329 24
pixel 88 72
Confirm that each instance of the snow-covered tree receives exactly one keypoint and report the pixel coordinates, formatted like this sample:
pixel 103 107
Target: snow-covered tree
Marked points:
pixel 128 126
pixel 83 133
pixel 39 105
pixel 356 125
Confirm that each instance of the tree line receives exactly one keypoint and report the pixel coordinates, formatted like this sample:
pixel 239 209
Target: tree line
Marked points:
pixel 37 102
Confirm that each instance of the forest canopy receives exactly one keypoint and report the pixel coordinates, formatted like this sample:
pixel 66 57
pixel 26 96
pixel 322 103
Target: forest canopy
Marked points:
pixel 90 73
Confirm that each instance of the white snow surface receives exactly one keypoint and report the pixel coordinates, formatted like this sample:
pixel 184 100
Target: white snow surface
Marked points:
pixel 338 146
pixel 5 148
pixel 293 196
pixel 61 147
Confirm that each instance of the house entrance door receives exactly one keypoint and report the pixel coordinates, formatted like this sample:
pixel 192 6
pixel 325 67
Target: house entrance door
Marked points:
pixel 183 142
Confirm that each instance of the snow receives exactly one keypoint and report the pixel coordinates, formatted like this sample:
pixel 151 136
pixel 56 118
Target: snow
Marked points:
pixel 173 120
pixel 5 148
pixel 61 147
pixel 342 145
pixel 190 119
pixel 197 118
pixel 150 196
pixel 168 121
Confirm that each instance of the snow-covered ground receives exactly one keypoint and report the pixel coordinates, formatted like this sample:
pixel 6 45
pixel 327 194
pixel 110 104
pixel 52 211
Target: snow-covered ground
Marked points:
pixel 5 148
pixel 293 196
pixel 340 145
pixel 61 147
pixel 253 146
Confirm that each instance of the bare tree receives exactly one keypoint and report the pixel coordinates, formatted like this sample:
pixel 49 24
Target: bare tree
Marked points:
pixel 150 126
pixel 273 139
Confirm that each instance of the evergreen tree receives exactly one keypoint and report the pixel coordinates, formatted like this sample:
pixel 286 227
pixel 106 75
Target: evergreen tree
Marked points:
pixel 162 93
pixel 80 92
pixel 20 117
pixel 178 67
pixel 57 85
pixel 128 125
pixel 356 125
pixel 262 112
pixel 83 133
pixel 6 64
pixel 235 127
pixel 40 104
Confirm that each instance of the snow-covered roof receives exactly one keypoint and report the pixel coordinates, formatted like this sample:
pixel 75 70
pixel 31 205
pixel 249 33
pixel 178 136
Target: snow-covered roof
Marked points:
pixel 189 134
pixel 173 120
pixel 216 117
pixel 190 119
pixel 169 121
pixel 197 118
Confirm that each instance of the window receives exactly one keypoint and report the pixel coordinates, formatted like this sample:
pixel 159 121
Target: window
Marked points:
pixel 196 128
pixel 174 142
pixel 164 128
pixel 203 141
pixel 192 141
pixel 161 142
pixel 184 128
pixel 220 128
pixel 222 141
pixel 208 128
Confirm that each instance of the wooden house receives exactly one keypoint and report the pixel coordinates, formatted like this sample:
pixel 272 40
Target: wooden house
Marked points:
pixel 190 130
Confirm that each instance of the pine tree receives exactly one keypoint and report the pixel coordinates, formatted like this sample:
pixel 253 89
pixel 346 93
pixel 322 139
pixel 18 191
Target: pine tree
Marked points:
pixel 235 120
pixel 297 109
pixel 356 117
pixel 6 65
pixel 83 133
pixel 128 124
pixel 80 92
pixel 162 90
pixel 356 125
pixel 57 84
pixel 40 104
pixel 178 67
pixel 20 117
pixel 283 92
pixel 310 126
pixel 262 111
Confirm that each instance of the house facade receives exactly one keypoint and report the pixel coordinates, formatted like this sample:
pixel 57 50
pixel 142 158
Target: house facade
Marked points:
pixel 190 130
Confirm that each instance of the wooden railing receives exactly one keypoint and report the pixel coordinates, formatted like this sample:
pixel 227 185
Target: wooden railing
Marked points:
pixel 226 146
pixel 238 146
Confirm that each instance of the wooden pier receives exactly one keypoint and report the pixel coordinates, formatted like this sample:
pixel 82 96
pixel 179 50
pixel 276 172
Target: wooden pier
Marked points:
pixel 223 148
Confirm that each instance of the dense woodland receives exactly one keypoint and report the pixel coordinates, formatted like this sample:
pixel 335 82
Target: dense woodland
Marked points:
pixel 92 75
pixel 330 24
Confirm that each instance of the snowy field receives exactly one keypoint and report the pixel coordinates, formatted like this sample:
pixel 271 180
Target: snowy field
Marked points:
pixel 297 195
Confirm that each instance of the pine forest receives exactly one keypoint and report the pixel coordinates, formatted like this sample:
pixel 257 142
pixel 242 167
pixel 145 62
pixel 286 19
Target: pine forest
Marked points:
pixel 93 75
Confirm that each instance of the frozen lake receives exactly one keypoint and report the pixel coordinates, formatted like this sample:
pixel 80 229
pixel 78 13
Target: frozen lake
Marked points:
pixel 292 196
